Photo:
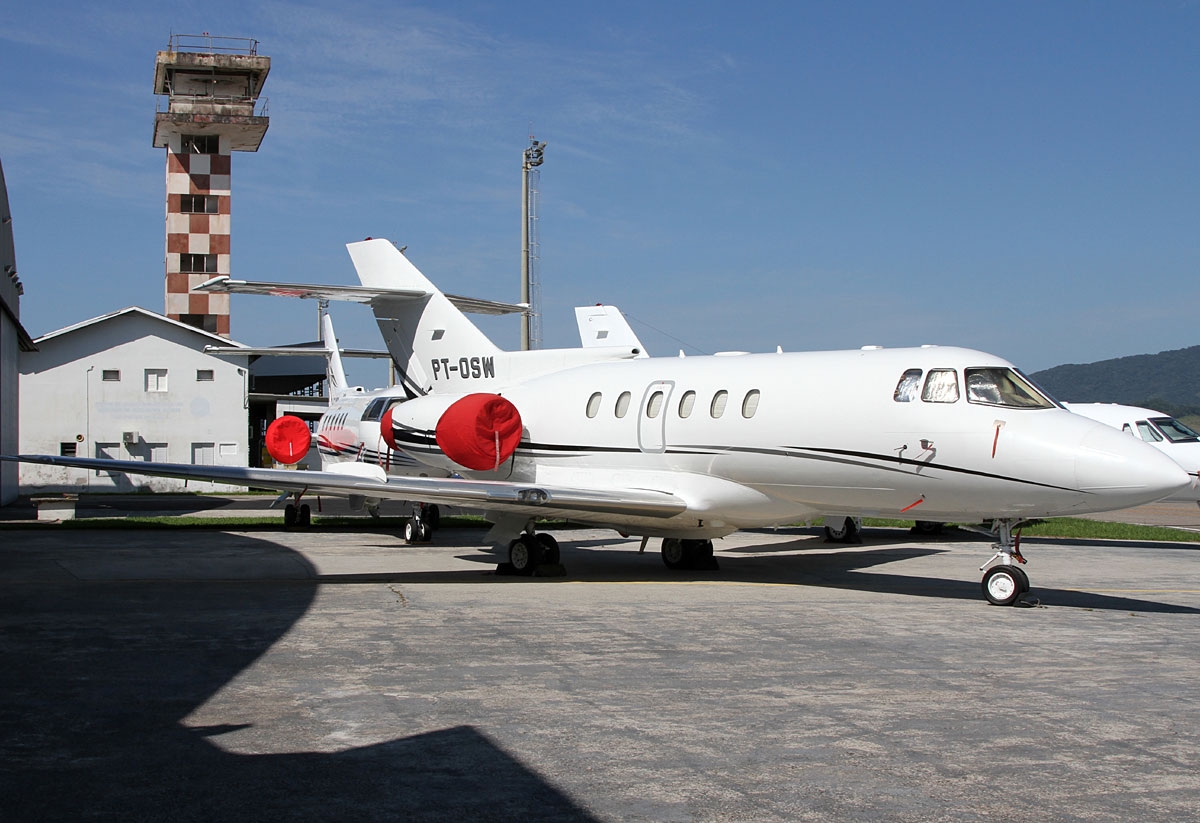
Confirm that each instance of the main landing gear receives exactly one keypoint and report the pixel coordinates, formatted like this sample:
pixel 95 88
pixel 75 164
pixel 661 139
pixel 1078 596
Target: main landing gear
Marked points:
pixel 424 522
pixel 531 550
pixel 843 529
pixel 297 516
pixel 688 554
pixel 1005 582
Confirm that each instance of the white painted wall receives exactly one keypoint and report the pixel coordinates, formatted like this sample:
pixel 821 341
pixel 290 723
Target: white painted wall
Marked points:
pixel 64 399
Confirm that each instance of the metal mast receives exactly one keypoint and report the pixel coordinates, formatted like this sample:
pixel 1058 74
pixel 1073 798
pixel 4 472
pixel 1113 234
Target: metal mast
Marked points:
pixel 530 321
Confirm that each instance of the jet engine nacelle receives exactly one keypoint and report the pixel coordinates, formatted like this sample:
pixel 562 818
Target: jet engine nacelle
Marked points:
pixel 479 432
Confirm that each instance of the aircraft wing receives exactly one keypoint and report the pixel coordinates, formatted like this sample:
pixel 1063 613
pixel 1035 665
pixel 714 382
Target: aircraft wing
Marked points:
pixel 352 294
pixel 515 498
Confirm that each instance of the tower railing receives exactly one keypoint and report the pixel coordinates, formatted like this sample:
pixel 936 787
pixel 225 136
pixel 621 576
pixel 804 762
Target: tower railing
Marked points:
pixel 213 44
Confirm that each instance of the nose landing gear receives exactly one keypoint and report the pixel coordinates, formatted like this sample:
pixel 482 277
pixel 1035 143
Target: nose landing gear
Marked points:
pixel 1005 582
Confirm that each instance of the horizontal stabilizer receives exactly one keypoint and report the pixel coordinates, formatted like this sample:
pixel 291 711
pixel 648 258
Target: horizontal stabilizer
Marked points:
pixel 368 295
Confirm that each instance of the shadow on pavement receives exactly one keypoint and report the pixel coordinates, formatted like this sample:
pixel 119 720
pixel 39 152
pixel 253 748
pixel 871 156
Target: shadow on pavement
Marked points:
pixel 99 675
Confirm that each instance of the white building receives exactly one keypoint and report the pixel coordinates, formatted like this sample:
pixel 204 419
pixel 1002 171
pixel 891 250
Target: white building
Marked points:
pixel 131 385
pixel 13 342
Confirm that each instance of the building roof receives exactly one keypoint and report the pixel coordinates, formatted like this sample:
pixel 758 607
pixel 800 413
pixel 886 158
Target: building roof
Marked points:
pixel 138 310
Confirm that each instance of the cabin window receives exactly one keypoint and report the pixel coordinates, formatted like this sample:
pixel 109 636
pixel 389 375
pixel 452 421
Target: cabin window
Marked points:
pixel 622 404
pixel 374 410
pixel 909 387
pixel 204 375
pixel 111 375
pixel 1148 433
pixel 687 403
pixel 750 403
pixel 941 386
pixel 1003 387
pixel 1175 431
pixel 720 399
pixel 593 405
pixel 654 406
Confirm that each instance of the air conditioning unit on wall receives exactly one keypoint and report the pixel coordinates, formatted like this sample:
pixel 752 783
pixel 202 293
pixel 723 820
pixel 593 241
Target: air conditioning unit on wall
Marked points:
pixel 130 438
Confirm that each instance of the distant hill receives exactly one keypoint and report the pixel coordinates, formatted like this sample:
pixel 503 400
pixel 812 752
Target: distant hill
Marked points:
pixel 1168 381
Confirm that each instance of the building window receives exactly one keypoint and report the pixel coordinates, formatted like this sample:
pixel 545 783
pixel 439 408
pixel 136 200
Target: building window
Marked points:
pixel 593 405
pixel 201 144
pixel 718 404
pixel 198 204
pixel 204 454
pixel 156 380
pixel 67 449
pixel 750 403
pixel 111 375
pixel 204 375
pixel 198 263
pixel 622 404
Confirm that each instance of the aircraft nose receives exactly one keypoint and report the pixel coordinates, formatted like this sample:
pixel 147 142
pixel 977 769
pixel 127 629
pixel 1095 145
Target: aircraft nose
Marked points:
pixel 1123 469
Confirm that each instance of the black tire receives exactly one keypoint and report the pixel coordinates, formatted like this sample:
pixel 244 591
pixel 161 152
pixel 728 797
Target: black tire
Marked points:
pixel 928 527
pixel 289 515
pixel 426 531
pixel 674 553
pixel 550 553
pixel 1022 578
pixel 412 530
pixel 304 516
pixel 846 533
pixel 432 517
pixel 524 554
pixel 1002 585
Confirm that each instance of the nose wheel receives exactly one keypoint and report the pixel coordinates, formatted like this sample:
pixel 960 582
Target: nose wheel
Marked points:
pixel 1005 582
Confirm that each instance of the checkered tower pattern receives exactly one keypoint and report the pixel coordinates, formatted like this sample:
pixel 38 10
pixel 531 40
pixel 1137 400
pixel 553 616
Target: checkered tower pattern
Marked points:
pixel 197 236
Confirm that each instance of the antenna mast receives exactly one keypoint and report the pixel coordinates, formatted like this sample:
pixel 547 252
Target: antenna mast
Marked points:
pixel 531 321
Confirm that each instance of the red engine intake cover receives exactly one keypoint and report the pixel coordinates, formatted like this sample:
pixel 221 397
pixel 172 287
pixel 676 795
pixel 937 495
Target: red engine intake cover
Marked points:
pixel 385 429
pixel 480 431
pixel 288 439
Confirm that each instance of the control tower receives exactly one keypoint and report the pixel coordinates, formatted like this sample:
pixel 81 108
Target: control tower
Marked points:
pixel 212 86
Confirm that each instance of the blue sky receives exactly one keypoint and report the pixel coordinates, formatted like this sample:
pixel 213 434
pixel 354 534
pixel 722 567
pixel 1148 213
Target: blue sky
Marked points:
pixel 1018 177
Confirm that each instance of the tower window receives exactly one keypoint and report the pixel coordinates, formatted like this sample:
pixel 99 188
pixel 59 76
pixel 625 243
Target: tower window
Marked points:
pixel 201 144
pixel 198 204
pixel 110 375
pixel 198 263
pixel 204 375
pixel 204 322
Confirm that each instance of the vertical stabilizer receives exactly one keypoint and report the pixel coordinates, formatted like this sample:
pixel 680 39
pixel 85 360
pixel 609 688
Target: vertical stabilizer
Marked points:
pixel 435 347
pixel 335 375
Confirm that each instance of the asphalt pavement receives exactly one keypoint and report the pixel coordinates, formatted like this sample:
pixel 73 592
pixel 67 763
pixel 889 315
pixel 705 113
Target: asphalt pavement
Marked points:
pixel 205 674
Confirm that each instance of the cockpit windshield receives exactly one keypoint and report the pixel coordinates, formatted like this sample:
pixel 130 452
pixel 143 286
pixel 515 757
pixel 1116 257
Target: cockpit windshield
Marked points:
pixel 1000 386
pixel 1175 431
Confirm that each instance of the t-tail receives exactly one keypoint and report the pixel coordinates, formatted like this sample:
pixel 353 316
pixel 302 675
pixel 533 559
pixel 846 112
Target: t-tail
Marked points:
pixel 335 375
pixel 437 350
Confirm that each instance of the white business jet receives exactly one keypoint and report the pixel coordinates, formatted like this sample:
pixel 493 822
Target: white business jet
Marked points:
pixel 1162 431
pixel 690 449
pixel 349 439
